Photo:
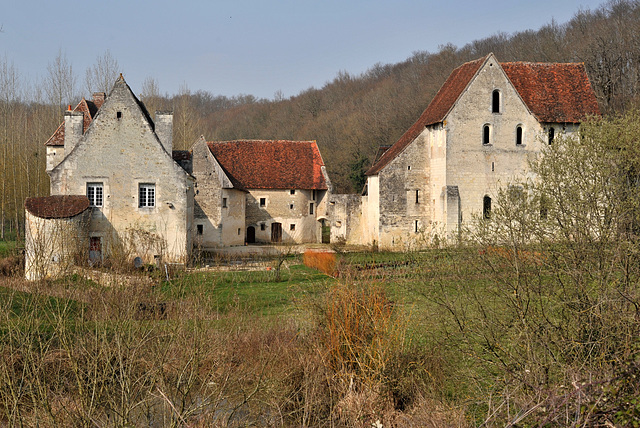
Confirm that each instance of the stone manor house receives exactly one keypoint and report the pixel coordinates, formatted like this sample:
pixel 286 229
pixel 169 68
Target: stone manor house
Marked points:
pixel 118 187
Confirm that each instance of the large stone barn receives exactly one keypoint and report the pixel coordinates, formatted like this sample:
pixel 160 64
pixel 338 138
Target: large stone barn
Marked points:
pixel 477 134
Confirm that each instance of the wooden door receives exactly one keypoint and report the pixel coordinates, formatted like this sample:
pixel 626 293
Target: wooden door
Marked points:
pixel 276 232
pixel 251 235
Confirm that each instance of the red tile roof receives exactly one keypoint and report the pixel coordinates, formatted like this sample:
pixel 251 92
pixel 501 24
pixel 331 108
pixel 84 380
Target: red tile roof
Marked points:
pixel 59 206
pixel 435 112
pixel 275 164
pixel 552 92
pixel 89 108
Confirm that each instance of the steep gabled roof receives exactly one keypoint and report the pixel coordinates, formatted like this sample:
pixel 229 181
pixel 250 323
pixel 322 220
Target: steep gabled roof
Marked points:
pixel 437 110
pixel 553 92
pixel 58 206
pixel 89 108
pixel 271 164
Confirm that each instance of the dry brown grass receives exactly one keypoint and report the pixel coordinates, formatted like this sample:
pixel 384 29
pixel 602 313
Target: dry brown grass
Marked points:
pixel 324 261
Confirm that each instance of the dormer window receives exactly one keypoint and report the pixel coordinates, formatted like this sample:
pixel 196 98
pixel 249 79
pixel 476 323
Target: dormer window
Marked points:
pixel 495 101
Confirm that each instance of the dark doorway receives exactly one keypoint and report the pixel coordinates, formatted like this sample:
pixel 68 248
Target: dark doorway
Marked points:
pixel 95 250
pixel 326 232
pixel 251 235
pixel 276 232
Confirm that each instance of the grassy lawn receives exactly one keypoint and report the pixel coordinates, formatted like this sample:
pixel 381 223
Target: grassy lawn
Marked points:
pixel 256 292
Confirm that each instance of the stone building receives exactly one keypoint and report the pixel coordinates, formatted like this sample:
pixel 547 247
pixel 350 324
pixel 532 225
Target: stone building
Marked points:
pixel 476 135
pixel 55 235
pixel 258 191
pixel 141 199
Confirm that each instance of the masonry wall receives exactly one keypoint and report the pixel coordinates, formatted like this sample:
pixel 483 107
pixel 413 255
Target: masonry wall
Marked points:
pixel 476 169
pixel 121 151
pixel 52 245
pixel 406 197
pixel 281 206
pixel 345 216
pixel 219 209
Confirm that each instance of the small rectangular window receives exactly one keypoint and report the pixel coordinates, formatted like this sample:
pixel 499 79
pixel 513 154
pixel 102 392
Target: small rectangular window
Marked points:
pixel 290 206
pixel 263 202
pixel 292 191
pixel 292 226
pixel 95 194
pixel 239 231
pixel 224 202
pixel 119 115
pixel 311 208
pixel 263 226
pixel 417 196
pixel 200 229
pixel 416 226
pixel 146 195
pixel 313 195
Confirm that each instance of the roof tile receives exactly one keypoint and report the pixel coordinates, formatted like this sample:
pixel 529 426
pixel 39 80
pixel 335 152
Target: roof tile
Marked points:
pixel 553 92
pixel 58 206
pixel 271 164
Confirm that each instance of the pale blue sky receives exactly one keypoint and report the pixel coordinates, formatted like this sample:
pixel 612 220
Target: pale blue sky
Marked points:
pixel 253 46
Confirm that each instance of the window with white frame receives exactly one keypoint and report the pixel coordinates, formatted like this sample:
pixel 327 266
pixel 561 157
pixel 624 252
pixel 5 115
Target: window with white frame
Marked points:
pixel 95 194
pixel 146 195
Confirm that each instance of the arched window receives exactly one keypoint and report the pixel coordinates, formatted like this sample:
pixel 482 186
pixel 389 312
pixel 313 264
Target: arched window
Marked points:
pixel 552 134
pixel 486 135
pixel 495 101
pixel 519 135
pixel 486 207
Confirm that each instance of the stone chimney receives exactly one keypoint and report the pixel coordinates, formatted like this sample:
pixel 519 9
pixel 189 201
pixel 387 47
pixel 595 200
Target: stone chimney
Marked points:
pixel 164 129
pixel 98 98
pixel 73 129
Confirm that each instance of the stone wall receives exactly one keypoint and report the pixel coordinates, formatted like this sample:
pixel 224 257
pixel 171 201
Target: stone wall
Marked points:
pixel 291 208
pixel 121 151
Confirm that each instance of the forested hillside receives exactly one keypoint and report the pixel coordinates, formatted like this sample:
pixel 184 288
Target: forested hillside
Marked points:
pixel 349 117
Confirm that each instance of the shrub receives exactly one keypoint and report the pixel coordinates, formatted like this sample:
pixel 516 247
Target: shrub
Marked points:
pixel 324 261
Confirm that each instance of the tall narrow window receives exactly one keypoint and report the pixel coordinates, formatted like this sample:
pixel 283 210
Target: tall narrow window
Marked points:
pixel 95 194
pixel 552 135
pixel 263 202
pixel 486 134
pixel 486 207
pixel 147 195
pixel 495 101
pixel 416 226
pixel 224 202
pixel 417 196
pixel 518 135
pixel 200 229
pixel 311 208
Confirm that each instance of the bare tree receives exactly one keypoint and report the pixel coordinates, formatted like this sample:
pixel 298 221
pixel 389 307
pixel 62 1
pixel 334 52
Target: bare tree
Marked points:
pixel 61 81
pixel 101 75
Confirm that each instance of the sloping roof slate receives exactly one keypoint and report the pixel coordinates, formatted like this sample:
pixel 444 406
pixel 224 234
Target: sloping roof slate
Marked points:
pixel 58 206
pixel 435 112
pixel 89 108
pixel 271 164
pixel 553 92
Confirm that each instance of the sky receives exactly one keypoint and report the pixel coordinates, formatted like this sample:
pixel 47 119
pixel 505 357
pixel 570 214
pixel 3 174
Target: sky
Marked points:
pixel 256 47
